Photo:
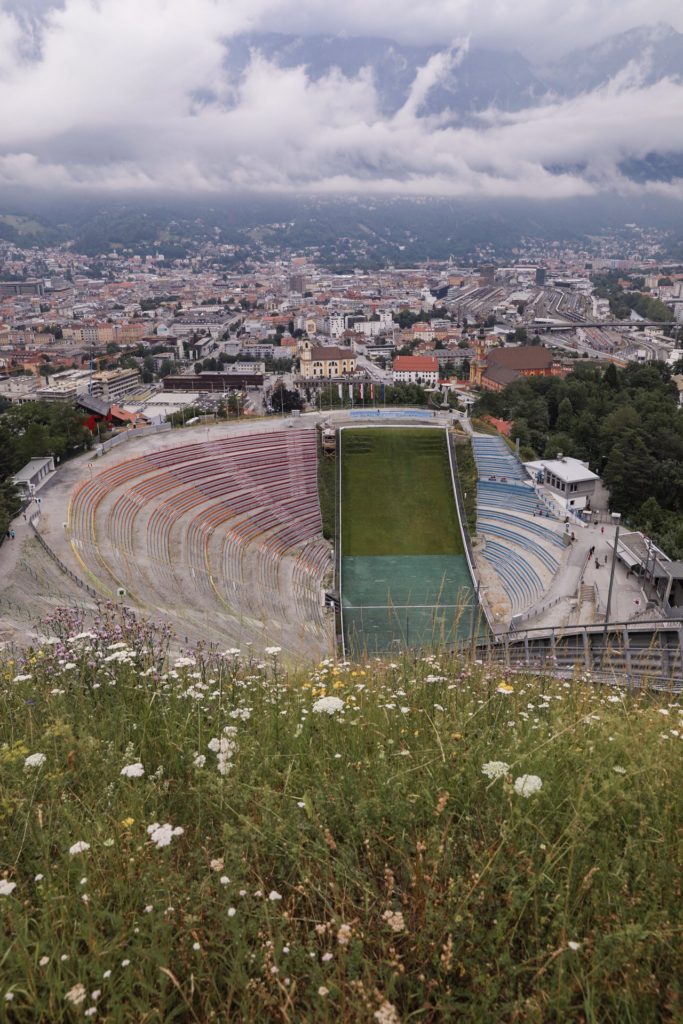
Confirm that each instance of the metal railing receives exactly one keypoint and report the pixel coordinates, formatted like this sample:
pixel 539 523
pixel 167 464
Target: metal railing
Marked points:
pixel 642 653
pixel 57 560
pixel 131 435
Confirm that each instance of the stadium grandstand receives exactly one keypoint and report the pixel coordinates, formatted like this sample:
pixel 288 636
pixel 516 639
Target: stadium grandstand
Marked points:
pixel 223 535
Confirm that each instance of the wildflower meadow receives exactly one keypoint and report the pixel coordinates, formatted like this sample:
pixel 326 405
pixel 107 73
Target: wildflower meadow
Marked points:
pixel 217 837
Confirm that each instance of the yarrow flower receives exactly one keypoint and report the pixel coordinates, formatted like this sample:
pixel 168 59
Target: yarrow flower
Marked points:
pixel 387 1014
pixel 162 835
pixel 328 706
pixel 273 651
pixel 6 887
pixel 273 896
pixel 133 771
pixel 244 714
pixel 35 761
pixel 79 847
pixel 394 918
pixel 76 994
pixel 495 769
pixel 527 785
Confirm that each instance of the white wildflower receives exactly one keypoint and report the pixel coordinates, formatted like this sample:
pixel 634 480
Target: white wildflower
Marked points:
pixel 619 770
pixel 273 651
pixel 6 887
pixel 35 761
pixel 394 918
pixel 200 760
pixel 574 945
pixel 244 714
pixel 217 864
pixel 163 834
pixel 323 991
pixel 133 771
pixel 231 911
pixel 44 961
pixel 76 994
pixel 273 896
pixel 527 785
pixel 344 934
pixel 79 847
pixel 328 706
pixel 495 769
pixel 387 1014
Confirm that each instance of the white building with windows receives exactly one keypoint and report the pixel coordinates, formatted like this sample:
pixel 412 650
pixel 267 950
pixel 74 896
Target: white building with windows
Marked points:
pixel 416 370
pixel 570 480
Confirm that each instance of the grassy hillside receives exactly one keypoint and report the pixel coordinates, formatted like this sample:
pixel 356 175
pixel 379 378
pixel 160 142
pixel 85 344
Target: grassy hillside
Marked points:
pixel 200 841
pixel 397 497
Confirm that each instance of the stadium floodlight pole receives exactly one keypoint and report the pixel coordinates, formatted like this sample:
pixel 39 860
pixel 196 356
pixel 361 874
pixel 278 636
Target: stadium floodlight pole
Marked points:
pixel 616 519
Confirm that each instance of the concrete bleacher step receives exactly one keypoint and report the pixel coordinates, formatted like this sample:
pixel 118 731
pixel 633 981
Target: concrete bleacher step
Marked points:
pixel 198 514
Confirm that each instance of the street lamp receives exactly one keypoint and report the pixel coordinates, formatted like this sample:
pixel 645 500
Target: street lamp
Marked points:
pixel 616 519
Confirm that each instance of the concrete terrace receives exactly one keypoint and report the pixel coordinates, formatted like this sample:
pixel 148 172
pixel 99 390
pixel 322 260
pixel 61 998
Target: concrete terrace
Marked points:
pixel 214 530
pixel 532 574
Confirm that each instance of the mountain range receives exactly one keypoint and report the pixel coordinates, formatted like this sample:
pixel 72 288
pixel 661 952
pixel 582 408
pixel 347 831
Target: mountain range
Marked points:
pixel 477 78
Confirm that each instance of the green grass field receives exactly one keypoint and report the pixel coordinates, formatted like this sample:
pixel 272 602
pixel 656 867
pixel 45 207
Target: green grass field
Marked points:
pixel 397 497
pixel 197 839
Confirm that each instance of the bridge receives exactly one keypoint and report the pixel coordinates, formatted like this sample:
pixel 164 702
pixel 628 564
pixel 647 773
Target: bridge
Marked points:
pixel 639 654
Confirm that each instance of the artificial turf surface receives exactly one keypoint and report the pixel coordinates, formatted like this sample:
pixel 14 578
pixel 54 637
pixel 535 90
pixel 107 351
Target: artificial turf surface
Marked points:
pixel 397 496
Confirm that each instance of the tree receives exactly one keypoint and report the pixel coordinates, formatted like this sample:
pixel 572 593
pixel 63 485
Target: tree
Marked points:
pixel 284 400
pixel 520 431
pixel 611 377
pixel 565 415
pixel 629 473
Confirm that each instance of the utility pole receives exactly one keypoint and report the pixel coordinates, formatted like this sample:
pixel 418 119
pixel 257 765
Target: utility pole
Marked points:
pixel 616 519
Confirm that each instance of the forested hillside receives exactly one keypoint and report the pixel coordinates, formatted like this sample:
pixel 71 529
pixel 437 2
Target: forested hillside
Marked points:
pixel 29 431
pixel 625 423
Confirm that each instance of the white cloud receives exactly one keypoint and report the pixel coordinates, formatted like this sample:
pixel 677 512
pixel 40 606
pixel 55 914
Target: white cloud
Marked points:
pixel 130 95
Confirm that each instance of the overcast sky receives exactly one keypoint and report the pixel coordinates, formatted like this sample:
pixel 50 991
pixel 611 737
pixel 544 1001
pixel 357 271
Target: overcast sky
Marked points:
pixel 133 94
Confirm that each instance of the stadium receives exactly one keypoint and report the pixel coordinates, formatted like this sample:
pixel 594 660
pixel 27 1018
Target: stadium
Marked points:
pixel 218 532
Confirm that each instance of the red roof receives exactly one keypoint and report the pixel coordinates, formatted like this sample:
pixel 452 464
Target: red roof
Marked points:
pixel 416 364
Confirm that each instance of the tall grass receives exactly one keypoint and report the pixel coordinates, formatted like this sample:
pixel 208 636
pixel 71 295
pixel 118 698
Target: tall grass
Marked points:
pixel 350 866
pixel 327 493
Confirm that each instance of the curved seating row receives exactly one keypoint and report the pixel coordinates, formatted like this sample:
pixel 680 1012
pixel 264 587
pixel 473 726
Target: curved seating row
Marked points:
pixel 521 582
pixel 226 517
pixel 520 529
